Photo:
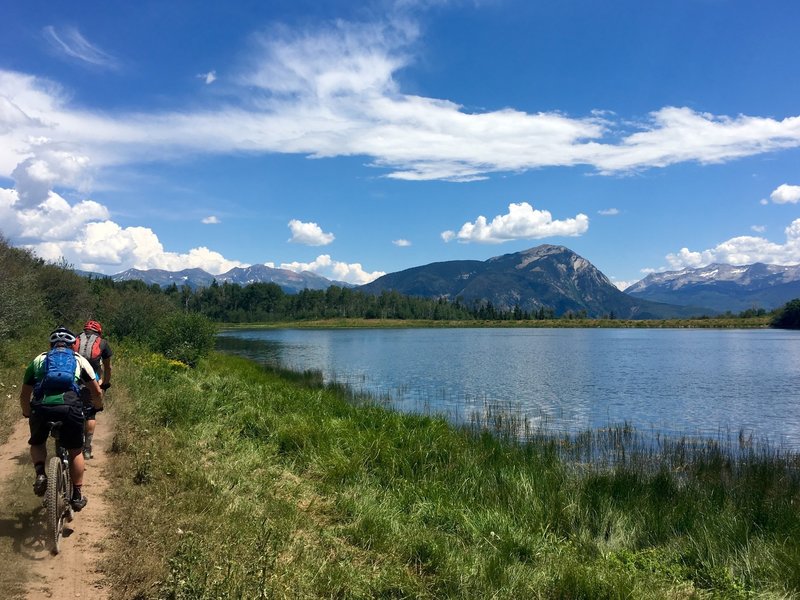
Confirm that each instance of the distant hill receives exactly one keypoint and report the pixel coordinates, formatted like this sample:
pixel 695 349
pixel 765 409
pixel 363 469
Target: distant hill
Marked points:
pixel 290 281
pixel 545 276
pixel 723 287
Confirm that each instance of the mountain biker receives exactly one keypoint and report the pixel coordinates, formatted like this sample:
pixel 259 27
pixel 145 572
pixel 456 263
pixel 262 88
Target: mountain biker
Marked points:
pixel 50 393
pixel 93 347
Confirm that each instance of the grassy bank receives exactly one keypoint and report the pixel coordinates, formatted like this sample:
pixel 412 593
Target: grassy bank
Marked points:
pixel 705 323
pixel 236 483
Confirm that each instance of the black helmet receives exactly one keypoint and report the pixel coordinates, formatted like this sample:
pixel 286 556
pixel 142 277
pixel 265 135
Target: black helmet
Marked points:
pixel 62 335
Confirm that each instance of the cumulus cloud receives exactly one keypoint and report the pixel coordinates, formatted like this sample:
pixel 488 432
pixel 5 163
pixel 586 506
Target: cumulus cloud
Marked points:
pixel 743 250
pixel 786 194
pixel 69 42
pixel 402 243
pixel 608 212
pixel 522 222
pixel 333 92
pixel 211 220
pixel 336 270
pixel 47 166
pixel 309 234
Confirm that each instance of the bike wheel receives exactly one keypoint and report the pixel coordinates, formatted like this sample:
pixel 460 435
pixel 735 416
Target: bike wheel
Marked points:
pixel 54 502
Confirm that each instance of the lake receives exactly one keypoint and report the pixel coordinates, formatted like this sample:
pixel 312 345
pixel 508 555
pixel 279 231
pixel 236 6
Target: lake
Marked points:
pixel 674 381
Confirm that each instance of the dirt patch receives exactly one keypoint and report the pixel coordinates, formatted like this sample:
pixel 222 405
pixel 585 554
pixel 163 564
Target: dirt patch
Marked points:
pixel 30 572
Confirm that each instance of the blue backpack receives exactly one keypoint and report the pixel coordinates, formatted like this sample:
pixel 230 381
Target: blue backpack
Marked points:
pixel 60 365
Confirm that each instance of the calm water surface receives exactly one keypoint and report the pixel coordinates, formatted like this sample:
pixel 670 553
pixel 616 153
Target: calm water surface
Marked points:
pixel 687 381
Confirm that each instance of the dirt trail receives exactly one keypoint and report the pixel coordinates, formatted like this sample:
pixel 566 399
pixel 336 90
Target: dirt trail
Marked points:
pixel 30 572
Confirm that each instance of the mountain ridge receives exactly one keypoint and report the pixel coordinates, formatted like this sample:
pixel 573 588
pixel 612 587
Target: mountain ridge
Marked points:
pixel 723 287
pixel 546 276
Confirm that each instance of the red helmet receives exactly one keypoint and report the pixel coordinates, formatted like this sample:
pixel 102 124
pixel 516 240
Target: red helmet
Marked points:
pixel 93 326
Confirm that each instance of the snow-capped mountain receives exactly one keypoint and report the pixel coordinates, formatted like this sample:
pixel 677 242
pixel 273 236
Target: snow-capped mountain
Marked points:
pixel 290 281
pixel 723 287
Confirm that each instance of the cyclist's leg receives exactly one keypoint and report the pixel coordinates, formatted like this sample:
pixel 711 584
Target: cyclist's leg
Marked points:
pixel 72 440
pixel 38 443
pixel 89 414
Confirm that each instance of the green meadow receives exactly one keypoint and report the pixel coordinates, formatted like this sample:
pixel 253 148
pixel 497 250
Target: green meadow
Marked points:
pixel 234 482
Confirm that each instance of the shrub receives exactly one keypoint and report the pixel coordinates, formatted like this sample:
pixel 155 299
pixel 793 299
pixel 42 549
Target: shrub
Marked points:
pixel 186 337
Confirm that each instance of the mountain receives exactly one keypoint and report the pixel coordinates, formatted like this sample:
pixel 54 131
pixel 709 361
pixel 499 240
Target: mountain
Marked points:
pixel 289 281
pixel 546 276
pixel 723 287
pixel 192 277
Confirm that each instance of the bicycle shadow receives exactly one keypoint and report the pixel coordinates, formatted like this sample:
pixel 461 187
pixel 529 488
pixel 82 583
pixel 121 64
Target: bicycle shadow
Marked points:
pixel 27 532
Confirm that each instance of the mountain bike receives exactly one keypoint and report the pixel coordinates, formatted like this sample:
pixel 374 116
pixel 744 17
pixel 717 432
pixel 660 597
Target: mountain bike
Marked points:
pixel 59 492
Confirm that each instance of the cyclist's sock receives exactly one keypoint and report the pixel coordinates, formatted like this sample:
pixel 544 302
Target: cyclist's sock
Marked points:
pixel 76 492
pixel 39 467
pixel 87 440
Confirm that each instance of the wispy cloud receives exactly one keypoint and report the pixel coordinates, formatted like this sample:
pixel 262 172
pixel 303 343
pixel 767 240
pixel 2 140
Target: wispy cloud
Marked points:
pixel 332 92
pixel 743 250
pixel 521 222
pixel 209 77
pixel 608 212
pixel 758 228
pixel 68 41
pixel 402 243
pixel 211 220
pixel 309 234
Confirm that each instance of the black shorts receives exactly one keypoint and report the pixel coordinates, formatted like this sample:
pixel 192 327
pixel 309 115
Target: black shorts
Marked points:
pixel 70 415
pixel 89 411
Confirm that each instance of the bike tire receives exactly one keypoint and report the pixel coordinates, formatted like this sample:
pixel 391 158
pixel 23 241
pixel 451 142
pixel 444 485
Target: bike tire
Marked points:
pixel 54 502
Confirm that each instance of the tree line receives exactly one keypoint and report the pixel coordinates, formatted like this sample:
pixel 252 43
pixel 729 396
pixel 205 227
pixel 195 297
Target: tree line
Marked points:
pixel 179 321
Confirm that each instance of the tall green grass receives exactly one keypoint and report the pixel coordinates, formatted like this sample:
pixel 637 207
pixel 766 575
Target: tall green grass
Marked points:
pixel 238 483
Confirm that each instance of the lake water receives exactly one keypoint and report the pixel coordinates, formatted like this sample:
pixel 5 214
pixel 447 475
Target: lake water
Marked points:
pixel 678 381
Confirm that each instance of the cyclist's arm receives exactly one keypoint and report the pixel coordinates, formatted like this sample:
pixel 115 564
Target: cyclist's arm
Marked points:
pixel 106 372
pixel 28 381
pixel 25 399
pixel 89 379
pixel 96 392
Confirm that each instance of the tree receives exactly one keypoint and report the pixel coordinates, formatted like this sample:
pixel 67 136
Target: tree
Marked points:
pixel 789 316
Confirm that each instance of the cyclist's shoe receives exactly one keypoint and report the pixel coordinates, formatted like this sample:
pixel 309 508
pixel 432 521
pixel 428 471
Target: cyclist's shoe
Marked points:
pixel 40 485
pixel 87 453
pixel 78 503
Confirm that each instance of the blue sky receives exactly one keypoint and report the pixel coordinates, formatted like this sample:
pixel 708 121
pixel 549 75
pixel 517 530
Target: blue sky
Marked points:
pixel 355 139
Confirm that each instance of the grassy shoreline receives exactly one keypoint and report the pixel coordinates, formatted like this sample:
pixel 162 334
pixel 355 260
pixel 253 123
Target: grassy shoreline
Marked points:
pixel 244 483
pixel 709 323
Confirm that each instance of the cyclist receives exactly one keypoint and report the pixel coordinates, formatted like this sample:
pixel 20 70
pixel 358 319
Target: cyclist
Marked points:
pixel 93 347
pixel 50 393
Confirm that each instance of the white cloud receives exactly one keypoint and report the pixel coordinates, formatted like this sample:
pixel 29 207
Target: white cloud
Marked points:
pixel 521 223
pixel 68 41
pixel 309 234
pixel 211 220
pixel 209 77
pixel 402 243
pixel 743 250
pixel 758 228
pixel 339 271
pixel 608 212
pixel 333 92
pixel 786 194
